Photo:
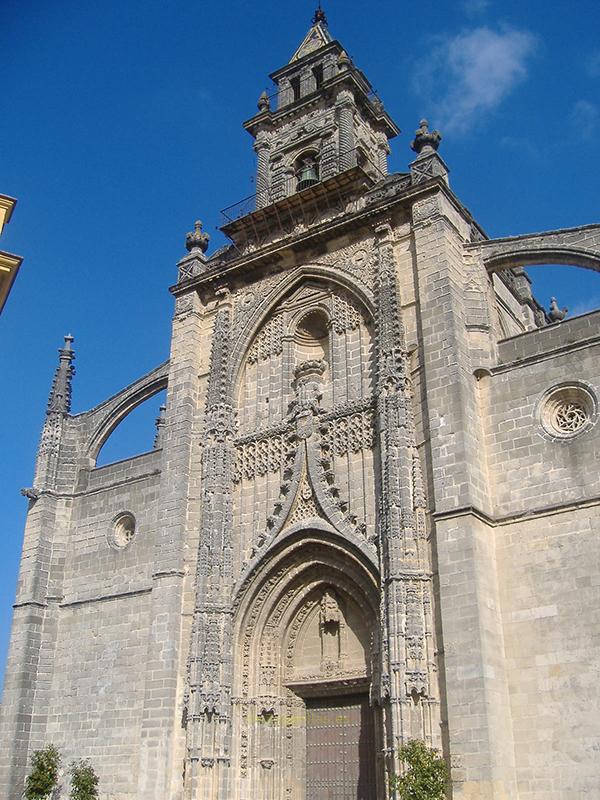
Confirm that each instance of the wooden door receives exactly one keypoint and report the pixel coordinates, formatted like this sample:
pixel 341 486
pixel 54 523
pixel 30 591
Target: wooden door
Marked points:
pixel 340 749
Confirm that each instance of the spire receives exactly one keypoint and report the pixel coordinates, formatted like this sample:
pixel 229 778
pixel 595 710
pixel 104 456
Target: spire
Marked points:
pixel 318 36
pixel 59 401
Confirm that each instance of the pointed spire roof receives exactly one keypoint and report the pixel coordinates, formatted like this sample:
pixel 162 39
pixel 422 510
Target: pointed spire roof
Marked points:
pixel 60 394
pixel 317 36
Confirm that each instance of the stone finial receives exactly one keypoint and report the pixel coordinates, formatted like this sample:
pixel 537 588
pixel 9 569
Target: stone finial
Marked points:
pixel 319 17
pixel 59 401
pixel 344 60
pixel 264 104
pixel 556 314
pixel 160 424
pixel 197 239
pixel 425 141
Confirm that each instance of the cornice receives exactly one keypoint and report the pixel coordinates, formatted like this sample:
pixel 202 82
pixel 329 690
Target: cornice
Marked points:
pixel 271 254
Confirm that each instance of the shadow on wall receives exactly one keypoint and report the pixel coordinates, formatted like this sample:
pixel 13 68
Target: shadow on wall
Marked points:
pixel 136 434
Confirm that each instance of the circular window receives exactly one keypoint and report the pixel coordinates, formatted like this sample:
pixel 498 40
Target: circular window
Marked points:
pixel 566 411
pixel 122 530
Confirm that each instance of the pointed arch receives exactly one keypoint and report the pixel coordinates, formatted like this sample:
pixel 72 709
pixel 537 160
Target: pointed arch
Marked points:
pixel 319 528
pixel 316 272
pixel 270 597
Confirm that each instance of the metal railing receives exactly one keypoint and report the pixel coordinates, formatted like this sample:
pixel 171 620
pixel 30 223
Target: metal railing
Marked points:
pixel 356 157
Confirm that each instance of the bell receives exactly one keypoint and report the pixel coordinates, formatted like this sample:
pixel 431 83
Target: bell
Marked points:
pixel 308 175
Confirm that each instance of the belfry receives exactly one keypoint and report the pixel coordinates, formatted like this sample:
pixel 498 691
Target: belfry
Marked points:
pixel 363 520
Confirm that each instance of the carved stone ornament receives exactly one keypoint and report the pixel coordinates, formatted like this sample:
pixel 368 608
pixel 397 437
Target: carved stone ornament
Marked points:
pixel 424 210
pixel 425 141
pixel 197 239
pixel 567 411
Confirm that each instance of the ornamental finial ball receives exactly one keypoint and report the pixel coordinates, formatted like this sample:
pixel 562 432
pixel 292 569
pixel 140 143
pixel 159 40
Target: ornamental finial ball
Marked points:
pixel 264 104
pixel 197 239
pixel 425 141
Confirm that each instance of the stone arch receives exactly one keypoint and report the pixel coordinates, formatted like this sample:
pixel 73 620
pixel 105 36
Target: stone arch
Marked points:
pixel 289 557
pixel 266 397
pixel 306 624
pixel 567 256
pixel 309 272
pixel 307 162
pixel 105 418
pixel 577 247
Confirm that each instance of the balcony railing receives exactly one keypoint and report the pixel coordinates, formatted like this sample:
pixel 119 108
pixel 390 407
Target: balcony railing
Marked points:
pixel 348 160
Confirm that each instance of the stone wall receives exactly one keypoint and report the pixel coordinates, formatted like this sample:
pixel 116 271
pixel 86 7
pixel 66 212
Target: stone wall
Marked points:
pixel 549 576
pixel 528 468
pixel 98 674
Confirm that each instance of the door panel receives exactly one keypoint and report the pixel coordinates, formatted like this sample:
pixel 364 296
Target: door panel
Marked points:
pixel 340 749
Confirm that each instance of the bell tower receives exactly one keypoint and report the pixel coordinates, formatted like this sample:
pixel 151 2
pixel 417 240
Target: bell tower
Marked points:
pixel 322 119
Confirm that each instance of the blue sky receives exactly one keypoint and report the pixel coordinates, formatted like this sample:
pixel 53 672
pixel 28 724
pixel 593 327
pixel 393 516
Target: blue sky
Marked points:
pixel 122 125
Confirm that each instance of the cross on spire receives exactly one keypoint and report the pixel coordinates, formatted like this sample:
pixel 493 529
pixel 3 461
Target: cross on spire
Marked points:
pixel 319 16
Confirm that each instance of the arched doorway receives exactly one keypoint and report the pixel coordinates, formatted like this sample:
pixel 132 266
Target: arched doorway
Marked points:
pixel 307 645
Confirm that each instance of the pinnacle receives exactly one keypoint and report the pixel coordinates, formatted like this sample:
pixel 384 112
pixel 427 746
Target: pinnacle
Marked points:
pixel 317 36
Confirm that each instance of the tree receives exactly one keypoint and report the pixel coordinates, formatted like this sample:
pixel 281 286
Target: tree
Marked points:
pixel 43 777
pixel 84 781
pixel 425 775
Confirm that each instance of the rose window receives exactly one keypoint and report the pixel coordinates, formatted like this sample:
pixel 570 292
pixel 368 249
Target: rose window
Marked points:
pixel 570 417
pixel 122 531
pixel 567 411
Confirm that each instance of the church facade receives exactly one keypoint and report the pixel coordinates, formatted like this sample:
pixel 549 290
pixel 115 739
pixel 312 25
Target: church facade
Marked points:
pixel 371 512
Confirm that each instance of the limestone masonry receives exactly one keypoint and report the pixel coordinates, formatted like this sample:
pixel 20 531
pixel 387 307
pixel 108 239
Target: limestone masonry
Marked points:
pixel 371 512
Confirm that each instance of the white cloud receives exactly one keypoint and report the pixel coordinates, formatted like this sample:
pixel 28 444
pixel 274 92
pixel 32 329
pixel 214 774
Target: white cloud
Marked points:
pixel 469 75
pixel 475 7
pixel 585 118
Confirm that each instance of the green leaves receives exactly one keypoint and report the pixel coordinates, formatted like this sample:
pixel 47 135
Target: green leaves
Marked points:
pixel 43 778
pixel 425 775
pixel 84 781
pixel 44 773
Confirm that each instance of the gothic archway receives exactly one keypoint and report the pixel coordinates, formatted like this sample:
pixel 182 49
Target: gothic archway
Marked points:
pixel 307 639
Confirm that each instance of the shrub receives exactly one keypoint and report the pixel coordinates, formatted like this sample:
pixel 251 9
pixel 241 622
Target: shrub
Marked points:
pixel 425 775
pixel 43 777
pixel 84 781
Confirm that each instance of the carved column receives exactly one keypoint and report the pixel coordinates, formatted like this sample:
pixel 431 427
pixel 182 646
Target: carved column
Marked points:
pixel 328 160
pixel 406 690
pixel 383 150
pixel 285 94
pixel 261 148
pixel 345 116
pixel 308 82
pixel 209 665
pixel 278 178
pixel 329 66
